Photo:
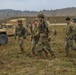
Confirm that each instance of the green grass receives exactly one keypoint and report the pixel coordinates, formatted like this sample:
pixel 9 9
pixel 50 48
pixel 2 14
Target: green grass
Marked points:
pixel 13 63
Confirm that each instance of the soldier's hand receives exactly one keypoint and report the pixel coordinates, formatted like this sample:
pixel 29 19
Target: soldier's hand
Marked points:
pixel 31 38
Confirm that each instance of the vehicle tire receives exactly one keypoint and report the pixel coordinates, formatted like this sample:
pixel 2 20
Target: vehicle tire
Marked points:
pixel 3 39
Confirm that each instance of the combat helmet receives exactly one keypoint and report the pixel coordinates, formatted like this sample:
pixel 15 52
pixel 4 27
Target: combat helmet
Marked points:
pixel 41 16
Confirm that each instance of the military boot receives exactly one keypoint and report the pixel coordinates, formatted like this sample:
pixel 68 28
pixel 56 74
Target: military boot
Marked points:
pixel 39 54
pixel 46 53
pixel 52 54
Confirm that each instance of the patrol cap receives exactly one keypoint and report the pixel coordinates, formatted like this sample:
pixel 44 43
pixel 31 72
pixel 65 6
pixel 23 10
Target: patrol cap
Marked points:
pixel 19 21
pixel 41 16
pixel 67 19
pixel 74 19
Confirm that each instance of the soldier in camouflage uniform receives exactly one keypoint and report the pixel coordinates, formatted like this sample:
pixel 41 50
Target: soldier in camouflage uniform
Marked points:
pixel 20 32
pixel 34 36
pixel 69 36
pixel 44 43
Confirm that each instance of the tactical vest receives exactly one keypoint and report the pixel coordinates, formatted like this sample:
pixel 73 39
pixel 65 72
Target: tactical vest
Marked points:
pixel 43 28
pixel 69 30
pixel 20 31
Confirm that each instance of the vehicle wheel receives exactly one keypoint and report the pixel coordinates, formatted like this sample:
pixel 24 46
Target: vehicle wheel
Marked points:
pixel 3 39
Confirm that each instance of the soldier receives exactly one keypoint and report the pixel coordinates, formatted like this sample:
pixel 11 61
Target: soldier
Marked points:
pixel 44 43
pixel 69 36
pixel 20 31
pixel 34 35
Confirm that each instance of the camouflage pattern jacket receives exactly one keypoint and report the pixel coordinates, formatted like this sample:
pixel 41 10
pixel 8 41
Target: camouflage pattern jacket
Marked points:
pixel 69 30
pixel 20 31
pixel 34 31
pixel 43 29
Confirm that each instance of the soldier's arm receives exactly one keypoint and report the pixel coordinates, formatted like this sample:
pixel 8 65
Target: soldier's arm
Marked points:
pixel 49 26
pixel 31 34
pixel 49 29
pixel 25 32
pixel 28 29
pixel 65 29
pixel 37 32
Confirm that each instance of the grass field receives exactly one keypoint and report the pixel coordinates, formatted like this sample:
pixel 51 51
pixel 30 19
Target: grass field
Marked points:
pixel 13 63
pixel 58 19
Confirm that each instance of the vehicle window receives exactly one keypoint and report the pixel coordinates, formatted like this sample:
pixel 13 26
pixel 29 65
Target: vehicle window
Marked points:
pixel 9 26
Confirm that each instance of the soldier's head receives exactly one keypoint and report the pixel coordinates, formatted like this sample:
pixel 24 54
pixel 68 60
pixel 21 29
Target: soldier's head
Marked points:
pixel 41 16
pixel 67 20
pixel 19 22
pixel 35 22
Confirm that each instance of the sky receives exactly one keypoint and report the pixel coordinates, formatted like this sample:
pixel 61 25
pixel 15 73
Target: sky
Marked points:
pixel 36 5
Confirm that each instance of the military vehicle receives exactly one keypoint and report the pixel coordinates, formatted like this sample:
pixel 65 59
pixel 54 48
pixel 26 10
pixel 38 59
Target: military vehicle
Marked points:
pixel 3 36
pixel 9 28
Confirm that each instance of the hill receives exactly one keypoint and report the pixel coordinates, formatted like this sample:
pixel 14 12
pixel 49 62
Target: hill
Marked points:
pixel 8 13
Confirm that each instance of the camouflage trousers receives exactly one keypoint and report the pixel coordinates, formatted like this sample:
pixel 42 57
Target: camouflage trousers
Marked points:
pixel 33 45
pixel 68 44
pixel 21 43
pixel 44 45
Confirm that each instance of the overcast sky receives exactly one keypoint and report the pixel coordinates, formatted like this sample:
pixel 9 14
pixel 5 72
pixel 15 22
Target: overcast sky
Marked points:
pixel 36 5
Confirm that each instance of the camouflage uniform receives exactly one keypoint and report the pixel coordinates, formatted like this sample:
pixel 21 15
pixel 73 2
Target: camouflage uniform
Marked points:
pixel 35 37
pixel 20 31
pixel 68 38
pixel 44 43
